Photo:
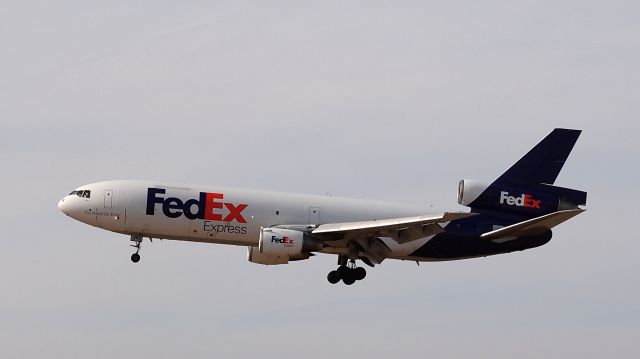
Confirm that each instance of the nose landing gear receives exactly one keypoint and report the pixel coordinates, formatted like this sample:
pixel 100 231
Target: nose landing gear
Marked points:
pixel 135 258
pixel 348 272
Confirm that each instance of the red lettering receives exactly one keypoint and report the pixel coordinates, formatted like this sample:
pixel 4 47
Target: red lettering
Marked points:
pixel 211 205
pixel 235 212
pixel 535 204
pixel 529 202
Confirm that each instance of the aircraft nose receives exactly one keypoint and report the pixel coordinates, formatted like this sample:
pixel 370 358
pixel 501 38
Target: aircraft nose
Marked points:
pixel 64 207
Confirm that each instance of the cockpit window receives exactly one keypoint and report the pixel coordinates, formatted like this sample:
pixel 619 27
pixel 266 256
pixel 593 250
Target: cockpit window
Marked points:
pixel 81 194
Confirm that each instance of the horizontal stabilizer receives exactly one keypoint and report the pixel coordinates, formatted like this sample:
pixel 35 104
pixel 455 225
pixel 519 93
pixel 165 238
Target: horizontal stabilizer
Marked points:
pixel 533 226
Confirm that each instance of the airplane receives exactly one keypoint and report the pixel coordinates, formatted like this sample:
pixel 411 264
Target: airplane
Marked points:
pixel 515 212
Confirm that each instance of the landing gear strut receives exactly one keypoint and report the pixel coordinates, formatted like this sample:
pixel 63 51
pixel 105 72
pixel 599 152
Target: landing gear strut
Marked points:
pixel 135 258
pixel 348 272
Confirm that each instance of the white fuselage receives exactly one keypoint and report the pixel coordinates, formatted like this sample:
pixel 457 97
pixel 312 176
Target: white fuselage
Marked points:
pixel 216 214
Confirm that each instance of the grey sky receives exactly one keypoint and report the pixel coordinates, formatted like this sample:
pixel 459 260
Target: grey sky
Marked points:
pixel 383 100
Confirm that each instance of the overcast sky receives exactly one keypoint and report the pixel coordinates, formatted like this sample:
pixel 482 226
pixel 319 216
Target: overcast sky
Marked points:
pixel 392 100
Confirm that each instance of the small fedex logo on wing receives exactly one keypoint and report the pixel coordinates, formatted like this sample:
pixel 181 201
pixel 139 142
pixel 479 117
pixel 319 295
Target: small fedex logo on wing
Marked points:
pixel 525 200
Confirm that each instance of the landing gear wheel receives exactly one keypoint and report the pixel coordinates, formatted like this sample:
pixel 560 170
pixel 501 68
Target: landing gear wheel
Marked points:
pixel 360 273
pixel 137 239
pixel 343 271
pixel 347 271
pixel 350 278
pixel 333 277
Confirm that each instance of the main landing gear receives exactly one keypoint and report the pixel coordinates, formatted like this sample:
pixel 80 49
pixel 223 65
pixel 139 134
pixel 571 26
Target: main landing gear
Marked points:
pixel 348 272
pixel 135 258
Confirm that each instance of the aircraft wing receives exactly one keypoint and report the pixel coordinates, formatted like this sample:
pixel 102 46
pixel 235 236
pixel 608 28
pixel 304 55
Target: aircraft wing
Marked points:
pixel 402 230
pixel 533 226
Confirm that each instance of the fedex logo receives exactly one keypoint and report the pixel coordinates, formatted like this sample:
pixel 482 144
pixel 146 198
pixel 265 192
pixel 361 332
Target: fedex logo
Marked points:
pixel 208 206
pixel 284 240
pixel 525 200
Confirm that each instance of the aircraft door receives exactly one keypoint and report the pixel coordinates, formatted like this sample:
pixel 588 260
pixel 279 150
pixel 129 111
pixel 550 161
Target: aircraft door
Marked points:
pixel 108 198
pixel 314 215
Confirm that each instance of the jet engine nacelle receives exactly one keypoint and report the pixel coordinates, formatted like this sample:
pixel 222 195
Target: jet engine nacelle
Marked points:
pixel 279 246
pixel 278 242
pixel 469 191
pixel 254 256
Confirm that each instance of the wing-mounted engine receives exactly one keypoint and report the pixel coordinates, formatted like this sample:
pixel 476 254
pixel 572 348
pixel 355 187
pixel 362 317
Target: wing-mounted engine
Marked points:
pixel 279 246
pixel 254 256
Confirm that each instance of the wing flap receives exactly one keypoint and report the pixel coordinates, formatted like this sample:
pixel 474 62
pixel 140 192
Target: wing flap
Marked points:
pixel 533 226
pixel 402 230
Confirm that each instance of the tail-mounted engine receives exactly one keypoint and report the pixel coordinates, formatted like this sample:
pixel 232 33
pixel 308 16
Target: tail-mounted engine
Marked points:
pixel 469 191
